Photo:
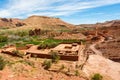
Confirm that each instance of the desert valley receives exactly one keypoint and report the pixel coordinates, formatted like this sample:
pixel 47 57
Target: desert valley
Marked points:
pixel 47 48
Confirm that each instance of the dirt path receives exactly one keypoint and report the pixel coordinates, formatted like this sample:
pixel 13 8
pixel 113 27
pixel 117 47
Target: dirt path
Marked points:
pixel 92 47
pixel 110 70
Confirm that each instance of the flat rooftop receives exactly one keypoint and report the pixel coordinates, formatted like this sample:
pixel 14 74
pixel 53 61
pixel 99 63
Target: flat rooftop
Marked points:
pixel 67 47
pixel 34 50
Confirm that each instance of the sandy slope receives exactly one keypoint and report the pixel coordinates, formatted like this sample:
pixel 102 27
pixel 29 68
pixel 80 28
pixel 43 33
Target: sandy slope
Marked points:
pixel 106 67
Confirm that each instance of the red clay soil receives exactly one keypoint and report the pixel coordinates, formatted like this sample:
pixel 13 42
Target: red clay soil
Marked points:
pixel 6 74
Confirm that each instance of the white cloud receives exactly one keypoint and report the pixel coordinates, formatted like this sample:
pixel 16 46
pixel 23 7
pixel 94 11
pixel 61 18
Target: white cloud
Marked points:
pixel 20 8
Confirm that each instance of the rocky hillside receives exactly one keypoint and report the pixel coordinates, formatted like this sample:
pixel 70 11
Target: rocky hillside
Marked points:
pixel 10 23
pixel 104 24
pixel 44 22
pixel 109 23
pixel 110 30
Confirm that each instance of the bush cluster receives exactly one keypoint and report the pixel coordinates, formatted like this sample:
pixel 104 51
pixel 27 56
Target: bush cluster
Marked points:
pixel 97 76
pixel 55 57
pixel 47 45
pixel 69 41
pixel 47 64
pixel 3 38
pixel 21 33
pixel 77 73
pixel 62 67
pixel 51 43
pixel 17 53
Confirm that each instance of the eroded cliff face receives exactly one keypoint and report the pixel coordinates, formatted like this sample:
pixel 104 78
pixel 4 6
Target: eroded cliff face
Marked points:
pixel 97 64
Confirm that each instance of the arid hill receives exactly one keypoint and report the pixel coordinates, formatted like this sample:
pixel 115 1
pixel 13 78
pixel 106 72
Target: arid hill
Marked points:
pixel 112 23
pixel 104 24
pixel 10 23
pixel 44 22
pixel 110 30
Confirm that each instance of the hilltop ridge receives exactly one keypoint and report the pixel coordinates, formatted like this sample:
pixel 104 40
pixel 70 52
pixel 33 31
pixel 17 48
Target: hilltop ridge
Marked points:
pixel 42 22
pixel 103 24
pixel 45 22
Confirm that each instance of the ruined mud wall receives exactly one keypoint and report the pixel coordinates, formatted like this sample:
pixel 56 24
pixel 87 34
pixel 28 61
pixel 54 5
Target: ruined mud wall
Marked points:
pixel 48 56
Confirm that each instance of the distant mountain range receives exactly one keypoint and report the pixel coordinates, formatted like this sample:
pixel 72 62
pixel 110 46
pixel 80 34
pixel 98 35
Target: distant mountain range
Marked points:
pixel 10 23
pixel 42 22
pixel 49 23
pixel 104 24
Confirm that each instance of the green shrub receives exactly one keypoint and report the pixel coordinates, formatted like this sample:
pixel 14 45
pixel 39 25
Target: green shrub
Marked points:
pixel 52 45
pixel 42 46
pixel 2 63
pixel 22 33
pixel 26 62
pixel 77 73
pixel 55 57
pixel 97 76
pixel 69 41
pixel 62 67
pixel 30 63
pixel 17 53
pixel 47 64
pixel 2 44
pixel 3 38
pixel 48 45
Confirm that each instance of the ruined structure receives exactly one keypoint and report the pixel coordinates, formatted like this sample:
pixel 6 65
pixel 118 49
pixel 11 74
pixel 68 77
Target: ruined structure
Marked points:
pixel 67 49
pixel 69 52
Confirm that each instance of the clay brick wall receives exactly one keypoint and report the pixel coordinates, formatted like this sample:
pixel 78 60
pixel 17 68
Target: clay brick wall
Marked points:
pixel 48 56
pixel 70 58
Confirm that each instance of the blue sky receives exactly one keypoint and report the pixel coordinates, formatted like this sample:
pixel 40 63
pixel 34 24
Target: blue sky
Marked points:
pixel 72 11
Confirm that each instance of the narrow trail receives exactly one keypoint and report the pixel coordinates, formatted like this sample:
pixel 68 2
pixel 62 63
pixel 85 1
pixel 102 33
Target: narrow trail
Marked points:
pixel 92 47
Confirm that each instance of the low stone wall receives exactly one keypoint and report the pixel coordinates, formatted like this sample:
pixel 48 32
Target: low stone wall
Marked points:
pixel 116 59
pixel 70 58
pixel 10 53
pixel 48 56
